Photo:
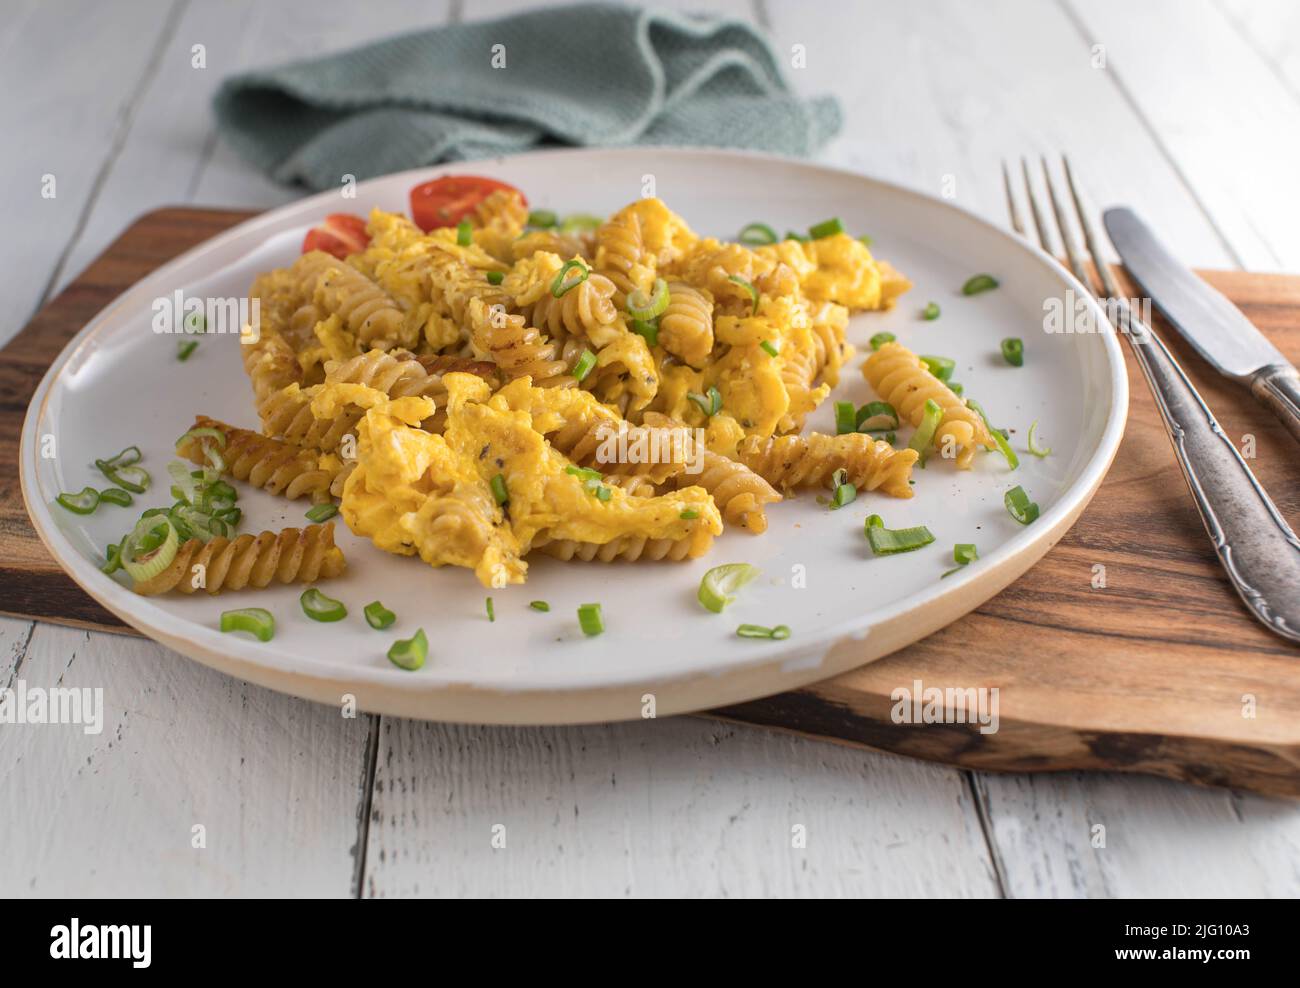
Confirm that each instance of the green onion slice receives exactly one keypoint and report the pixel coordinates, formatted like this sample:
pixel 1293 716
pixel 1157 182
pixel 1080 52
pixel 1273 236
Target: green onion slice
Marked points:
pixel 491 610
pixel 757 235
pixel 844 493
pixel 1013 351
pixel 880 339
pixel 539 605
pixel 318 607
pixel 82 503
pixel 717 586
pixel 322 512
pixel 584 364
pixel 792 235
pixel 580 221
pixel 889 542
pixel 940 367
pixel 499 492
pixel 649 330
pixel 464 233
pixel 586 473
pixel 770 348
pixel 865 240
pixel 123 459
pixel 963 554
pixel 378 616
pixel 150 548
pixel 590 620
pixel 690 514
pixel 257 621
pixel 495 277
pixel 113 562
pixel 1004 447
pixel 930 312
pixel 1019 506
pixel 194 322
pixel 924 435
pixel 826 228
pixel 1034 448
pixel 643 307
pixel 410 653
pixel 846 418
pixel 115 495
pixel 203 432
pixel 710 403
pixel 779 633
pixel 979 283
pixel 185 348
pixel 874 416
pixel 564 281
pixel 736 279
pixel 134 479
pixel 957 388
pixel 542 219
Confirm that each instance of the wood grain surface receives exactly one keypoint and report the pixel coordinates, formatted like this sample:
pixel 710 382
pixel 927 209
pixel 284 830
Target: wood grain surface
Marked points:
pixel 1149 673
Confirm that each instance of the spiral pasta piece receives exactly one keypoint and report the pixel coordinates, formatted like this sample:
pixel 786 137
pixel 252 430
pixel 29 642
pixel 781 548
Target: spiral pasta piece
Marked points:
pixel 740 494
pixel 271 365
pixel 586 310
pixel 901 378
pixel 368 311
pixel 797 461
pixel 289 556
pixel 621 258
pixel 686 326
pixel 517 348
pixel 278 467
pixel 628 548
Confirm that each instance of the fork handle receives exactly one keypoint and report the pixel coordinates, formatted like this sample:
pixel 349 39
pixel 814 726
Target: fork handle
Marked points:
pixel 1278 387
pixel 1257 548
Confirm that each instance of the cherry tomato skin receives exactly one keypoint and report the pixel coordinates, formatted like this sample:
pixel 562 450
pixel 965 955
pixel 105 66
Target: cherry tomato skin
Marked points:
pixel 447 200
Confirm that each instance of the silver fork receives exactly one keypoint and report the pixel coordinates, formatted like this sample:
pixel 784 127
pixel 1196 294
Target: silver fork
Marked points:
pixel 1254 543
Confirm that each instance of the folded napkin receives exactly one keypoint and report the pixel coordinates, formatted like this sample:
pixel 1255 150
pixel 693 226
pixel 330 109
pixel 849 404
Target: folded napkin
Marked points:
pixel 588 74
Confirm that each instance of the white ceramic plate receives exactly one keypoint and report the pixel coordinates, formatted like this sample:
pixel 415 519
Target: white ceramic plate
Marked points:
pixel 119 384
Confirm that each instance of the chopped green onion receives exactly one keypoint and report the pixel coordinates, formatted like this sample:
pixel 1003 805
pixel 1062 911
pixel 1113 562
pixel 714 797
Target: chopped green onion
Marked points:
pixel 710 403
pixel 880 339
pixel 757 235
pixel 888 542
pixel 865 240
pixel 562 282
pixel 846 418
pixel 603 493
pixel 257 621
pixel 930 312
pixel 464 233
pixel 940 367
pixel 779 633
pixel 1013 461
pixel 580 221
pixel 791 235
pixel 690 514
pixel 539 605
pixel 113 562
pixel 184 348
pixel 826 228
pixel 542 218
pixel 495 277
pixel 115 495
pixel 590 620
pixel 499 492
pixel 770 348
pixel 134 479
pixel 844 492
pixel 322 512
pixel 979 283
pixel 957 388
pixel 409 653
pixel 150 548
pixel 194 322
pixel 647 307
pixel 1013 351
pixel 1034 448
pixel 318 607
pixel 586 473
pixel 82 503
pixel 963 554
pixel 865 418
pixel 586 361
pixel 123 459
pixel 203 432
pixel 649 330
pixel 749 287
pixel 1019 506
pixel 924 435
pixel 378 616
pixel 491 610
pixel 716 587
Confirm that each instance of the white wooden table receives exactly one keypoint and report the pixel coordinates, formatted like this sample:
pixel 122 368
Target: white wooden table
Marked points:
pixel 1194 118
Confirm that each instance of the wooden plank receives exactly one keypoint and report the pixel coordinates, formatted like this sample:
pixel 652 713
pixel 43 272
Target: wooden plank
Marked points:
pixel 679 807
pixel 1228 123
pixel 274 782
pixel 949 89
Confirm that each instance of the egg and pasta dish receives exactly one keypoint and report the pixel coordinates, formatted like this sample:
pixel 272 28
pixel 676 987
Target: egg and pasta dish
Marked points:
pixel 478 384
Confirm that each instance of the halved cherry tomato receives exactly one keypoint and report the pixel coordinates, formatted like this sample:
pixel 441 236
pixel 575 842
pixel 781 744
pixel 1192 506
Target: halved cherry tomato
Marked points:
pixel 340 234
pixel 448 200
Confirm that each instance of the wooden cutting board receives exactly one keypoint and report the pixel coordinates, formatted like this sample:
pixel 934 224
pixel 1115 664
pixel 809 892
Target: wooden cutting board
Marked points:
pixel 1158 671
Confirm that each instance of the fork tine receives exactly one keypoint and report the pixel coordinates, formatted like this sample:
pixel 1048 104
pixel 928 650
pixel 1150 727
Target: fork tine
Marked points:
pixel 1017 223
pixel 1090 234
pixel 1039 225
pixel 1077 261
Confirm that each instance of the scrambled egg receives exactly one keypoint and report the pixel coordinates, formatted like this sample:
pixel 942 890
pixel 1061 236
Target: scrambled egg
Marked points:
pixel 414 492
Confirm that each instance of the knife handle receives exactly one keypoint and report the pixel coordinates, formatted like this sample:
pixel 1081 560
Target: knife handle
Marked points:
pixel 1257 548
pixel 1278 387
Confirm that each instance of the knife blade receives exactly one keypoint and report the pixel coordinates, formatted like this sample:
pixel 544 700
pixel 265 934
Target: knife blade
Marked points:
pixel 1205 318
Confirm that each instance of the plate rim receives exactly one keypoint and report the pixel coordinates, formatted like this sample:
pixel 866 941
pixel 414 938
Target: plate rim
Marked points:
pixel 522 701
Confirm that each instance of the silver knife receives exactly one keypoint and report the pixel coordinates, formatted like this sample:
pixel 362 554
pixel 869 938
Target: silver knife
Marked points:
pixel 1207 320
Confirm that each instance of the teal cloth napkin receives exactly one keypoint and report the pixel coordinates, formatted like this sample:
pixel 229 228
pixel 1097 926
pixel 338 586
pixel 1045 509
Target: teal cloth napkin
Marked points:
pixel 588 74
